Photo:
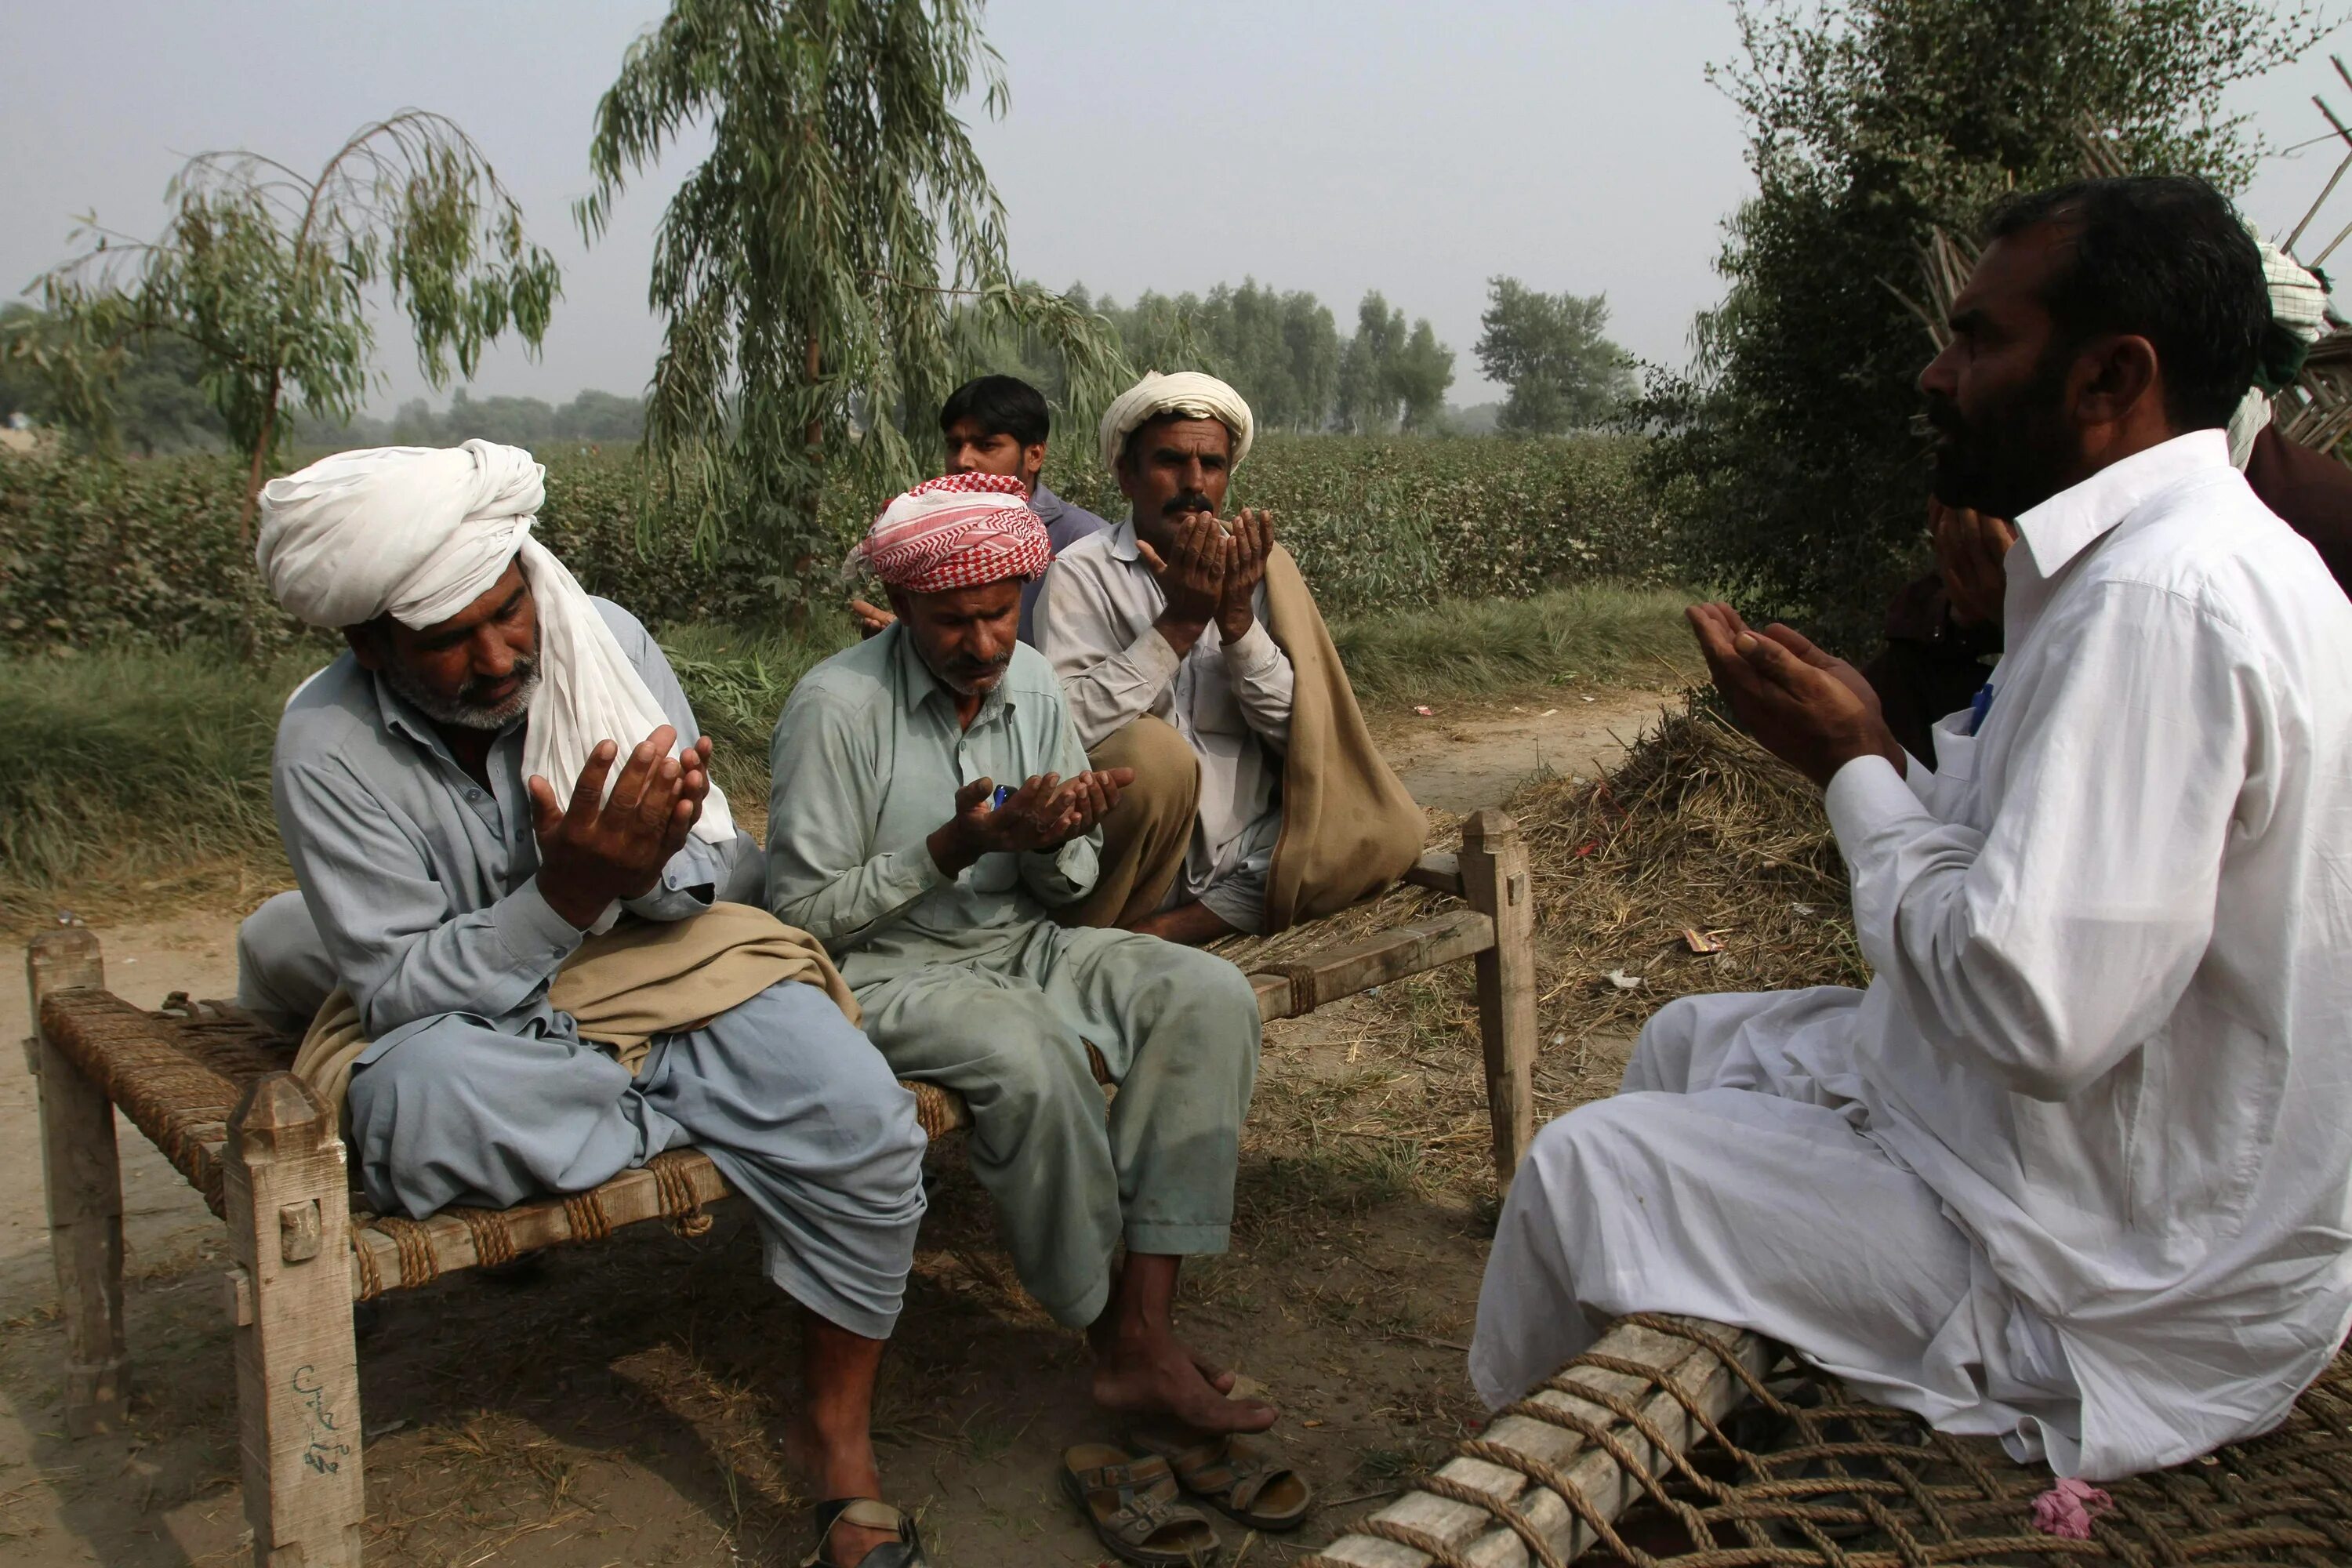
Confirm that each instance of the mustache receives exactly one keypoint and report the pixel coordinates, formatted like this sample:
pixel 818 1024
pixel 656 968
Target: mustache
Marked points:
pixel 475 693
pixel 1188 500
pixel 1941 419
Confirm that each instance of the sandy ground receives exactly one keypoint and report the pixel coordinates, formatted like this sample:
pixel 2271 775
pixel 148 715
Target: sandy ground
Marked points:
pixel 623 1406
pixel 1461 756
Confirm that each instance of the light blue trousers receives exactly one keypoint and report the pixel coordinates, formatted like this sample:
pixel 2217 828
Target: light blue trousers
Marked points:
pixel 794 1106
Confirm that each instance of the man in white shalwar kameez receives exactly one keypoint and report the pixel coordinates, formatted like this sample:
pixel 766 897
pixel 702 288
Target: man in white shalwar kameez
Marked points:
pixel 2076 1169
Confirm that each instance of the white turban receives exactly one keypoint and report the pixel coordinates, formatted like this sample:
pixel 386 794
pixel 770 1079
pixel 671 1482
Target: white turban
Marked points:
pixel 419 533
pixel 2298 300
pixel 1188 393
pixel 2298 303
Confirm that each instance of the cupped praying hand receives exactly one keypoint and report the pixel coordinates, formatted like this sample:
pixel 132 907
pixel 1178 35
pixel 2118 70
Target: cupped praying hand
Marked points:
pixel 1813 711
pixel 597 849
pixel 1045 813
pixel 1191 576
pixel 1971 553
pixel 1211 572
pixel 1247 544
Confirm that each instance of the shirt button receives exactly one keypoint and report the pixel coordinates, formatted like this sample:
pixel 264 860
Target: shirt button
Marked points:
pixel 473 795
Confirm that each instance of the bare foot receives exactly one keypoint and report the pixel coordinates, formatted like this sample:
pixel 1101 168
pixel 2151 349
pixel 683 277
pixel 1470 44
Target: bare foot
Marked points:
pixel 1219 1377
pixel 829 1475
pixel 1154 1375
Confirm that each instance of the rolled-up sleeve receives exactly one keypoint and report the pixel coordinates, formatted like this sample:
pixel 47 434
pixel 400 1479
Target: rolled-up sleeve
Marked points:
pixel 825 875
pixel 1064 875
pixel 386 919
pixel 1262 679
pixel 691 881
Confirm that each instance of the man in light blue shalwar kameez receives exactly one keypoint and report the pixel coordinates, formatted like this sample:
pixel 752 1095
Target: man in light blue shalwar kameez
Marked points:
pixel 421 784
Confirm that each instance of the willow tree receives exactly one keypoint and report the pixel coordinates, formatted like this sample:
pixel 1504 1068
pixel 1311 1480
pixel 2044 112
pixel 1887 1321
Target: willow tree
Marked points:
pixel 265 272
pixel 825 271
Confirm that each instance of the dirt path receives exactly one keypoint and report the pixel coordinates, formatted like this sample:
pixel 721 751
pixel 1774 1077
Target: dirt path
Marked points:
pixel 648 1436
pixel 163 1220
pixel 1461 756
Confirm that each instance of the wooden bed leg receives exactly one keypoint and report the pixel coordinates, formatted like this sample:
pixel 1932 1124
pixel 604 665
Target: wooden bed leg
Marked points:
pixel 298 1390
pixel 1495 880
pixel 84 1191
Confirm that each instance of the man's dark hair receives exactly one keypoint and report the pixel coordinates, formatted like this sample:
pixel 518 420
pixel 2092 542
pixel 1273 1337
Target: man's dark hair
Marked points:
pixel 1000 406
pixel 2164 257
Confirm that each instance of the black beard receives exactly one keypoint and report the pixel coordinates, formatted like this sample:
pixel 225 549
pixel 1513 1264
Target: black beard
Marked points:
pixel 467 711
pixel 2012 456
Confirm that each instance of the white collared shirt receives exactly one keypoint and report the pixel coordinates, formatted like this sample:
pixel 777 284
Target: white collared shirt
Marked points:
pixel 1094 623
pixel 2112 1021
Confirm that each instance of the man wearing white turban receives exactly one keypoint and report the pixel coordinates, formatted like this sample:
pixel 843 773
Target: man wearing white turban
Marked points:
pixel 1190 650
pixel 890 839
pixel 488 780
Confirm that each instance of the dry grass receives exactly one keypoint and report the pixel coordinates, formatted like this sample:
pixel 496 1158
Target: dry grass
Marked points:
pixel 1698 832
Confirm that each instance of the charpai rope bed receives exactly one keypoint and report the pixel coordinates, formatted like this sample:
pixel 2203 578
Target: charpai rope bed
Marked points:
pixel 210 1087
pixel 1680 1444
pixel 178 1072
pixel 1672 1443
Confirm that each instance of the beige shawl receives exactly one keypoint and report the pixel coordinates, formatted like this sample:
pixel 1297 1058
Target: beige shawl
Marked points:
pixel 1349 827
pixel 641 979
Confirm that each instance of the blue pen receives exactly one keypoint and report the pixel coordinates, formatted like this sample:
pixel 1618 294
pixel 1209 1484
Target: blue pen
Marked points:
pixel 1979 707
pixel 1003 792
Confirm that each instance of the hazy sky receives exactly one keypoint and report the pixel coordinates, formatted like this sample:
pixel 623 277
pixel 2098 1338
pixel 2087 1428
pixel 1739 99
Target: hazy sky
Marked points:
pixel 1333 146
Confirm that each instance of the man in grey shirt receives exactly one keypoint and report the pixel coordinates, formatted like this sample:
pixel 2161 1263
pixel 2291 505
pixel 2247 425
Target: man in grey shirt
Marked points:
pixel 1165 617
pixel 443 889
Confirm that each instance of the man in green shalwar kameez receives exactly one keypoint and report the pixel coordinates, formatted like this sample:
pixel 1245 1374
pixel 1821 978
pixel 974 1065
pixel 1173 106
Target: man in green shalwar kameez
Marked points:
pixel 890 841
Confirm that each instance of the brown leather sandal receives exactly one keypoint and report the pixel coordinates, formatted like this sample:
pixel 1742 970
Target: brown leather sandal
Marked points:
pixel 1131 1504
pixel 869 1513
pixel 1237 1478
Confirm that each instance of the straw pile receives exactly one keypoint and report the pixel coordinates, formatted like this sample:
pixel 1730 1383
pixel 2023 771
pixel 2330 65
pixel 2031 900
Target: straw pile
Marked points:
pixel 1698 839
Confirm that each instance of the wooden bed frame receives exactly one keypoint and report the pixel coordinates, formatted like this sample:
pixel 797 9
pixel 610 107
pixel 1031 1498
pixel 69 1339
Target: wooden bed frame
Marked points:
pixel 208 1086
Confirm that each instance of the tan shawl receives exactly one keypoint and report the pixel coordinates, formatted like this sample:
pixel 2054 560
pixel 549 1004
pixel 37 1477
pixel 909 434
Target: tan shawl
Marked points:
pixel 641 979
pixel 1349 827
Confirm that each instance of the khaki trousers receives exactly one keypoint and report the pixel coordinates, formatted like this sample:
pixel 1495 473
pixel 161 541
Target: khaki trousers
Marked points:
pixel 1147 834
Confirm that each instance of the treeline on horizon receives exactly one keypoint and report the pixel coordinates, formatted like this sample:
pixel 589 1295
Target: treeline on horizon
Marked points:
pixel 1284 353
pixel 1282 349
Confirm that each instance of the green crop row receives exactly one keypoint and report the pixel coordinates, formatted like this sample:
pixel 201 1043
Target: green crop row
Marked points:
pixel 148 554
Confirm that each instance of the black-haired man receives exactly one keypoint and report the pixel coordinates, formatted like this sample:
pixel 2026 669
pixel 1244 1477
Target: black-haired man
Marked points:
pixel 2094 1114
pixel 998 425
pixel 1944 628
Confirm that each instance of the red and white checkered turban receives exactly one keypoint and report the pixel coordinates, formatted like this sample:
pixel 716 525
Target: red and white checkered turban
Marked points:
pixel 959 531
